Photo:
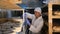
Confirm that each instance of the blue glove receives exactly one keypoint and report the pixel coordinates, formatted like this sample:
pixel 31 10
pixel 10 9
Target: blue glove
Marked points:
pixel 26 20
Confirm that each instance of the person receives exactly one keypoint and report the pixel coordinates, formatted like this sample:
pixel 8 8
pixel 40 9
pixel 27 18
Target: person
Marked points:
pixel 37 21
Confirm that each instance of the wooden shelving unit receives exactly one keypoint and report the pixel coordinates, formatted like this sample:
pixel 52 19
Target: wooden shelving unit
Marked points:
pixel 51 17
pixel 10 25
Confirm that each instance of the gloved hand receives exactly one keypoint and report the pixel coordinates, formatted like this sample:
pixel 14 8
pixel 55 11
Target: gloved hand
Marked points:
pixel 26 20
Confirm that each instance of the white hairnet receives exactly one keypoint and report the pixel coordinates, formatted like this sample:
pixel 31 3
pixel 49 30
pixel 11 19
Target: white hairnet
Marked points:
pixel 38 9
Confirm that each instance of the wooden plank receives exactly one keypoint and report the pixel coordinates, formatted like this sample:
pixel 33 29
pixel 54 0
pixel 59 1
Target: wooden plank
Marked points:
pixel 56 17
pixel 3 20
pixel 50 17
pixel 8 5
pixel 55 2
pixel 15 1
pixel 56 29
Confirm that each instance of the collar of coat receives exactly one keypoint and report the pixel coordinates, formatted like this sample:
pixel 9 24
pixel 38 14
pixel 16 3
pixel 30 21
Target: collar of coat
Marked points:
pixel 39 17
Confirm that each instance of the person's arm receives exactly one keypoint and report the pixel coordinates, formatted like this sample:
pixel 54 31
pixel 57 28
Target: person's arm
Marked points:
pixel 30 16
pixel 37 28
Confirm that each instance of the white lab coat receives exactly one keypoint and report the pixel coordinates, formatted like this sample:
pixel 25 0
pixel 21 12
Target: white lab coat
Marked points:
pixel 37 24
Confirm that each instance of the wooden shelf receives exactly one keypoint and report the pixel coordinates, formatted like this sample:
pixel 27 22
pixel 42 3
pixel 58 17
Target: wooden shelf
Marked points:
pixel 56 3
pixel 8 5
pixel 3 20
pixel 55 17
pixel 56 29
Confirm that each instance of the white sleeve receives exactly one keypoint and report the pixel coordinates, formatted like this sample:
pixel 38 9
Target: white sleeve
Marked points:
pixel 38 28
pixel 30 16
pixel 33 29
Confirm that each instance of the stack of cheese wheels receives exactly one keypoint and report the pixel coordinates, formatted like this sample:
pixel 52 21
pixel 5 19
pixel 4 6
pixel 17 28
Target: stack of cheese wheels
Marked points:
pixel 10 27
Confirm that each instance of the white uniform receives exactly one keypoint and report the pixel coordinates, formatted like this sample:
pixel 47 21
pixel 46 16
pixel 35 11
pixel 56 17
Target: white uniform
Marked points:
pixel 37 24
